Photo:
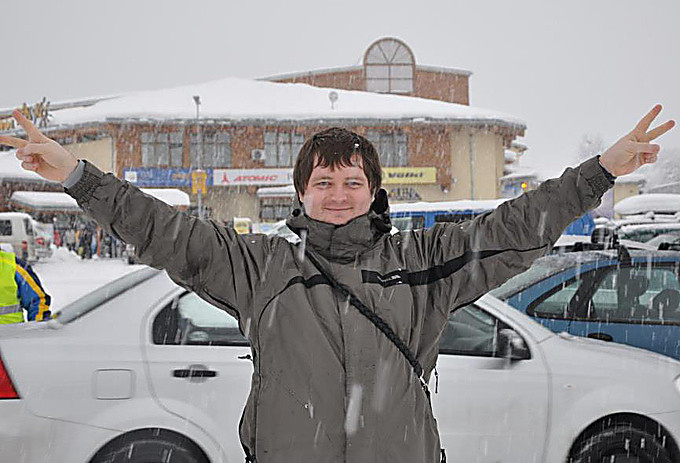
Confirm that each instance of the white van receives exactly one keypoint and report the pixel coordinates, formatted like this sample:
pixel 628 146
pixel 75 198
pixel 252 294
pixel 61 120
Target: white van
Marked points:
pixel 17 229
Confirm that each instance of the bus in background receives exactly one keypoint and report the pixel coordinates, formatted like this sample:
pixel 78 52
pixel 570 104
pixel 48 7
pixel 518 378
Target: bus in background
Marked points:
pixel 411 216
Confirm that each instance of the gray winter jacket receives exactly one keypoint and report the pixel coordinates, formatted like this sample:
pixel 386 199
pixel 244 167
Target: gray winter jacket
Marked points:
pixel 327 385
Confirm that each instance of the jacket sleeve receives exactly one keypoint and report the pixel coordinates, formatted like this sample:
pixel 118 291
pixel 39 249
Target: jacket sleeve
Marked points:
pixel 466 260
pixel 32 295
pixel 200 255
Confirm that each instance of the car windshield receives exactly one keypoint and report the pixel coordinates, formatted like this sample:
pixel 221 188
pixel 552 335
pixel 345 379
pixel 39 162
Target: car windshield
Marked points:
pixel 515 284
pixel 545 267
pixel 644 234
pixel 666 238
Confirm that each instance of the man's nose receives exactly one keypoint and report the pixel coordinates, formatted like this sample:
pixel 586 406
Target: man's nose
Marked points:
pixel 338 193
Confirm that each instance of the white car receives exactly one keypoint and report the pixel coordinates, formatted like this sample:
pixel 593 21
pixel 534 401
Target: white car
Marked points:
pixel 144 371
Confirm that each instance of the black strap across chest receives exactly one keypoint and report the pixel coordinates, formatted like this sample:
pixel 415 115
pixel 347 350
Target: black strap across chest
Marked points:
pixel 373 318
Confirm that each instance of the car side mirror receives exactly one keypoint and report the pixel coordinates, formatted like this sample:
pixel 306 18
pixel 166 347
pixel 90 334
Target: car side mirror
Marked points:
pixel 512 346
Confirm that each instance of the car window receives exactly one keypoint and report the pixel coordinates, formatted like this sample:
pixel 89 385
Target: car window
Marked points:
pixel 455 217
pixel 471 331
pixel 557 304
pixel 6 227
pixel 28 227
pixel 191 321
pixel 637 294
pixel 618 294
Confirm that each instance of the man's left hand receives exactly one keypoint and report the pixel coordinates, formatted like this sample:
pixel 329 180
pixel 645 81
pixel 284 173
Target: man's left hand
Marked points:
pixel 634 149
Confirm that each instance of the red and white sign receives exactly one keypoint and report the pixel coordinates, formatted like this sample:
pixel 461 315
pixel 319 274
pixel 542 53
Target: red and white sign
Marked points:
pixel 235 177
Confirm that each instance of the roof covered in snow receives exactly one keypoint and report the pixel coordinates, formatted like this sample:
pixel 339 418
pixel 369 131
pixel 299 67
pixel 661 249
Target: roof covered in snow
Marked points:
pixel 44 200
pixel 509 156
pixel 172 196
pixel 631 178
pixel 656 202
pixel 10 168
pixel 21 215
pixel 516 172
pixel 239 100
pixel 284 191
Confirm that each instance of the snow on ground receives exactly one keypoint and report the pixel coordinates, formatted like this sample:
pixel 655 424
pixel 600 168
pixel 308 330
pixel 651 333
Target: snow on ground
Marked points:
pixel 66 277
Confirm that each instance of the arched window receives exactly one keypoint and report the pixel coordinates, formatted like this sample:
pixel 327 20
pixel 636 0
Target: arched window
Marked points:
pixel 389 67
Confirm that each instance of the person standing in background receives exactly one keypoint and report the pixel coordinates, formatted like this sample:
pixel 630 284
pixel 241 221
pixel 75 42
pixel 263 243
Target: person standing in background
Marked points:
pixel 20 289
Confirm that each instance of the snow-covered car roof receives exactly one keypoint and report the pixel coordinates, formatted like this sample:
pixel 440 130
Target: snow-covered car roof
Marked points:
pixel 649 217
pixel 651 226
pixel 667 203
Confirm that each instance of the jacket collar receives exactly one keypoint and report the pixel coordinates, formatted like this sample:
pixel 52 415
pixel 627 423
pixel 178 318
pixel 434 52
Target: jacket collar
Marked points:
pixel 342 243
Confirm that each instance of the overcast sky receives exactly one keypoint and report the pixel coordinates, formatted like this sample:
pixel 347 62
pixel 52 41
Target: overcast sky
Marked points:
pixel 566 68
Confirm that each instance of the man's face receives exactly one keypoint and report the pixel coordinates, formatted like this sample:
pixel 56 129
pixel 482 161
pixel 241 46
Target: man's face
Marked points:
pixel 337 195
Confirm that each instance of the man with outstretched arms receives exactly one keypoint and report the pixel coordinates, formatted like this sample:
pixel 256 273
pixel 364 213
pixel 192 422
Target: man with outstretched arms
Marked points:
pixel 344 327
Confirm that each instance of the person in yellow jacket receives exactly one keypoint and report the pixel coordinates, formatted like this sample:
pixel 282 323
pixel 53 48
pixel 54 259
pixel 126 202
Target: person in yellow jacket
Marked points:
pixel 20 289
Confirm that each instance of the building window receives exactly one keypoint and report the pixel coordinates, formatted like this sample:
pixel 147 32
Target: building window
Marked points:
pixel 281 148
pixel 216 150
pixel 162 149
pixel 392 147
pixel 389 67
pixel 273 210
pixel 6 227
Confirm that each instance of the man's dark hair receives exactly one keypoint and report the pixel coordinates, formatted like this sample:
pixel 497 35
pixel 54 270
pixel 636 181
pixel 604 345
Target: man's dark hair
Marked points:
pixel 335 147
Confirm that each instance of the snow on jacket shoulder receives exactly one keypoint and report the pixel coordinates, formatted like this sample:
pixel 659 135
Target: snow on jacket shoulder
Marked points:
pixel 328 386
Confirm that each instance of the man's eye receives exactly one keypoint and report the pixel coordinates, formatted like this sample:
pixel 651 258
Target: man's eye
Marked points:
pixel 354 184
pixel 322 184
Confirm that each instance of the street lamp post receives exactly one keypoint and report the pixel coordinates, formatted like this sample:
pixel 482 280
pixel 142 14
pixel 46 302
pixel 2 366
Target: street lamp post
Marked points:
pixel 197 100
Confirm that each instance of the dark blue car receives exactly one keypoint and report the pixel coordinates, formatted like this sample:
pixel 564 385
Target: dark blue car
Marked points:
pixel 630 297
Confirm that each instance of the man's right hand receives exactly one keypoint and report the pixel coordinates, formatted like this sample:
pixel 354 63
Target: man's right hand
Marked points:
pixel 40 154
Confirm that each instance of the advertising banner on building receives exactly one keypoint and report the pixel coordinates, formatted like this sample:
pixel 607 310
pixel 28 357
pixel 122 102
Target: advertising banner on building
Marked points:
pixel 236 177
pixel 160 177
pixel 402 175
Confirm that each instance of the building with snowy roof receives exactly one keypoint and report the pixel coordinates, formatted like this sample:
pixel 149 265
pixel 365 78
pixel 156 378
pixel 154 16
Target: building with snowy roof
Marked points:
pixel 14 178
pixel 434 146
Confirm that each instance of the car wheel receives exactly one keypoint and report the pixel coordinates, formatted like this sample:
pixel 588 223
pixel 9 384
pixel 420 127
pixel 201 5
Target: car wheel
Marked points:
pixel 621 443
pixel 150 449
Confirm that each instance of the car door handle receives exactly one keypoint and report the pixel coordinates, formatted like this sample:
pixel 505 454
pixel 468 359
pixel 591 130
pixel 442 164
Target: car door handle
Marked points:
pixel 194 371
pixel 601 336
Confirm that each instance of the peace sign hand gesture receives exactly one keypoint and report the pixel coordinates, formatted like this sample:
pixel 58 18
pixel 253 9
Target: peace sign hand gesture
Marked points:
pixel 634 150
pixel 40 154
